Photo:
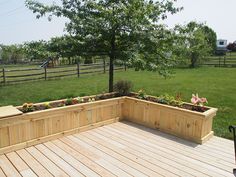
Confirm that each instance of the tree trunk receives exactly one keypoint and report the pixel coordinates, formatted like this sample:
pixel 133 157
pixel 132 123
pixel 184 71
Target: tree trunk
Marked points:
pixel 193 61
pixel 111 65
pixel 69 60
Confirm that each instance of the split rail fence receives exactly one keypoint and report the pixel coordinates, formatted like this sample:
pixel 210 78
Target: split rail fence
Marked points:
pixel 16 75
pixel 221 61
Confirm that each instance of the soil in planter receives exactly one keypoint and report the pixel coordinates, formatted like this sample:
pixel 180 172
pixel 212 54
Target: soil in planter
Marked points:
pixel 184 106
pixel 63 103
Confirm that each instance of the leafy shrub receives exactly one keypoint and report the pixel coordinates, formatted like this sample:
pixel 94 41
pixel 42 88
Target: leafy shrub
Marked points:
pixel 123 87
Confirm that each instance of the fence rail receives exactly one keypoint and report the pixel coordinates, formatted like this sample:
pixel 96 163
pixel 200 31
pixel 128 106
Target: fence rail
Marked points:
pixel 11 76
pixel 221 61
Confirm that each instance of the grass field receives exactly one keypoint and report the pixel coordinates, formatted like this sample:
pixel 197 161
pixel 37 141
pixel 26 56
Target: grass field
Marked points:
pixel 216 84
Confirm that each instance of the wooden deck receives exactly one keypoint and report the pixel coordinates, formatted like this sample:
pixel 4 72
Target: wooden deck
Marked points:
pixel 121 149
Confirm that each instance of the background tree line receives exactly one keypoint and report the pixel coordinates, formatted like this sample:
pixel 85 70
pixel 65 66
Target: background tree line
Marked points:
pixel 124 30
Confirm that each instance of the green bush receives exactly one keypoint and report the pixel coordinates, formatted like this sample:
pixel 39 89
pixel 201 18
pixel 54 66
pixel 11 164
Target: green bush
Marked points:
pixel 123 87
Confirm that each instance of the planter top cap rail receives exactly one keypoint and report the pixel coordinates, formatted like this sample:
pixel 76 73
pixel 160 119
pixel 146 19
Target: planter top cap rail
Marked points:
pixel 9 111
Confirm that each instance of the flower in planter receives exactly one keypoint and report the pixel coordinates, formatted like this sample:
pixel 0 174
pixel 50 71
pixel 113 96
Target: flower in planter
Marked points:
pixel 47 105
pixel 80 100
pixel 142 94
pixel 91 99
pixel 28 107
pixel 75 101
pixel 198 101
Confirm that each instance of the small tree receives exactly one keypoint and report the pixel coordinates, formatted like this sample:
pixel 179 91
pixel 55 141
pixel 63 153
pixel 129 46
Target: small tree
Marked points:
pixel 195 42
pixel 118 29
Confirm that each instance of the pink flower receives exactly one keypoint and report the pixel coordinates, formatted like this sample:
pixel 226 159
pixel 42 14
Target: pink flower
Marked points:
pixel 198 101
pixel 204 100
pixel 195 99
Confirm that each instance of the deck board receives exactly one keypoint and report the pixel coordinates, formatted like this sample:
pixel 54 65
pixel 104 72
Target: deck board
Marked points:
pixel 122 149
pixel 20 165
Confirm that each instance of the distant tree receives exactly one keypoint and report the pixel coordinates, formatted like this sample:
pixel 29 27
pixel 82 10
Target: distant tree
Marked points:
pixel 37 50
pixel 12 53
pixel 231 47
pixel 118 29
pixel 210 36
pixel 65 46
pixel 197 41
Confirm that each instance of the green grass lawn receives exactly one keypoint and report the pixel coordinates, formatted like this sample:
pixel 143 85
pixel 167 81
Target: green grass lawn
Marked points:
pixel 218 85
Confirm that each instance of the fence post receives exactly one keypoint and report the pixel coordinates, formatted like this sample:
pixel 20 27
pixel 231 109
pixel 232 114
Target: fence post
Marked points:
pixel 45 73
pixel 104 66
pixel 78 69
pixel 4 75
pixel 125 66
pixel 224 60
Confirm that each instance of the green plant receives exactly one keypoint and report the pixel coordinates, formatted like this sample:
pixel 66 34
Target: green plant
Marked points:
pixel 142 94
pixel 69 101
pixel 123 87
pixel 28 107
pixel 47 105
pixel 170 100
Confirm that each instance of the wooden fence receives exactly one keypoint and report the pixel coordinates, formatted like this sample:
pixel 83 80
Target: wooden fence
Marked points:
pixel 16 75
pixel 220 61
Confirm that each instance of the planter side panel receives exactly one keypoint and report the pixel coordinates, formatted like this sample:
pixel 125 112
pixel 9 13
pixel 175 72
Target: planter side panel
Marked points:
pixel 141 113
pixel 57 122
pixel 184 124
pixel 179 123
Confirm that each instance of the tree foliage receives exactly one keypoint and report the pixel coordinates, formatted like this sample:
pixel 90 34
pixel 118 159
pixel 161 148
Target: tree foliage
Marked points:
pixel 64 46
pixel 119 29
pixel 37 50
pixel 196 41
pixel 12 53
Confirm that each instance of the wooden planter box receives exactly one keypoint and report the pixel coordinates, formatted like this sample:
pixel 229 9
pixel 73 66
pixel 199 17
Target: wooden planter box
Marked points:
pixel 27 129
pixel 190 125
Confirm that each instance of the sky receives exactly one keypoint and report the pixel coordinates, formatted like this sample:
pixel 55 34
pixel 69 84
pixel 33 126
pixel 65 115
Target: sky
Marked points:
pixel 18 24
